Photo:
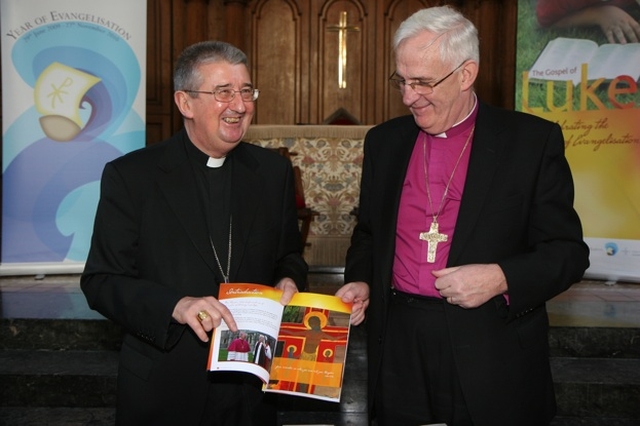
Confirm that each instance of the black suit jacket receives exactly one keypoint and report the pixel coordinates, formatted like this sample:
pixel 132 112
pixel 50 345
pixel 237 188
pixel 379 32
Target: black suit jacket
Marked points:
pixel 151 247
pixel 517 211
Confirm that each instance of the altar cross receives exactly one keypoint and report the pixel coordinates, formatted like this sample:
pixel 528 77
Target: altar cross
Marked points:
pixel 343 29
pixel 433 237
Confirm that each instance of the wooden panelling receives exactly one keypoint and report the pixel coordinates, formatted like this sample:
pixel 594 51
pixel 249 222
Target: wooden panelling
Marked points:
pixel 342 69
pixel 277 61
pixel 496 23
pixel 297 53
pixel 158 127
pixel 160 107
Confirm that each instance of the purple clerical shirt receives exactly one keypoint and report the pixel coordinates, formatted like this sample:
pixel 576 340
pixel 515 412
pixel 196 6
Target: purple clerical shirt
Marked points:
pixel 411 271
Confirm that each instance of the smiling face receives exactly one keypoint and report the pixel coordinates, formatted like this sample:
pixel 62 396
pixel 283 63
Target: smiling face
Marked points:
pixel 418 58
pixel 217 127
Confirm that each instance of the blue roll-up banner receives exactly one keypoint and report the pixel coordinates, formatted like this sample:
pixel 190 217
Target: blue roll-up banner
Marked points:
pixel 73 98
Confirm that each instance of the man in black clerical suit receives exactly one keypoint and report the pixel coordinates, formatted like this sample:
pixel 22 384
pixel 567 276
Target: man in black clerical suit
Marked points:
pixel 175 220
pixel 466 228
pixel 262 352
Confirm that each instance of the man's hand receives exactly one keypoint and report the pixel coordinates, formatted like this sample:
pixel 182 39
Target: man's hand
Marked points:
pixel 470 286
pixel 203 314
pixel 289 288
pixel 356 292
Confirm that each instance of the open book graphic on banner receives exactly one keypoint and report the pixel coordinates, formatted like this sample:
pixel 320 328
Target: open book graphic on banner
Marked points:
pixel 298 349
pixel 562 60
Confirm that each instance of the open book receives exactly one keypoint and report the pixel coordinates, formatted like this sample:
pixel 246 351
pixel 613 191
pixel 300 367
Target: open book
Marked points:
pixel 562 60
pixel 298 349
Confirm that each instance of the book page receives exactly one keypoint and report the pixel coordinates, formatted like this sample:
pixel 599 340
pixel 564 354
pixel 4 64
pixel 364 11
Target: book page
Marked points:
pixel 562 59
pixel 312 347
pixel 613 60
pixel 257 311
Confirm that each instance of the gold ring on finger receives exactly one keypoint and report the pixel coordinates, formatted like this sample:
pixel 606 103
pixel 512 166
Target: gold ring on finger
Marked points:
pixel 203 315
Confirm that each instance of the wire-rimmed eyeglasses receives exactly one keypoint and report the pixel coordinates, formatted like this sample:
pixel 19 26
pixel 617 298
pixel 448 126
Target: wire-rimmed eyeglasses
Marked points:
pixel 225 94
pixel 419 86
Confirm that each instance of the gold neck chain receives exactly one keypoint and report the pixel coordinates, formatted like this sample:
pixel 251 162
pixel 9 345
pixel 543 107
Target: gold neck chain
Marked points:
pixel 436 213
pixel 433 236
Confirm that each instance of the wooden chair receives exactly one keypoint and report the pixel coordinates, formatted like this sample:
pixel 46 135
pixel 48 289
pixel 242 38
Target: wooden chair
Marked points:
pixel 305 214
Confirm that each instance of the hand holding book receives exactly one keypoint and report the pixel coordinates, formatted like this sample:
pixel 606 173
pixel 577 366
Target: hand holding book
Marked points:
pixel 307 338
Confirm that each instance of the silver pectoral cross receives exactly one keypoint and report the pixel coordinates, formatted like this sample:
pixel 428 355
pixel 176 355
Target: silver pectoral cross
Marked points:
pixel 433 237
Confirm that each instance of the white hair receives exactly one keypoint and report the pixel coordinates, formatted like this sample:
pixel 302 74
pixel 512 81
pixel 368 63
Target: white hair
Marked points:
pixel 459 35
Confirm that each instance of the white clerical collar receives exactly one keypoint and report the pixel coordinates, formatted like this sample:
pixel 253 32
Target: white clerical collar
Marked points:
pixel 444 134
pixel 214 163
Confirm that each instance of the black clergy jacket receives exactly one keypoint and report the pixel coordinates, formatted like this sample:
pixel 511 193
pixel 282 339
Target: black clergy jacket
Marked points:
pixel 516 211
pixel 150 248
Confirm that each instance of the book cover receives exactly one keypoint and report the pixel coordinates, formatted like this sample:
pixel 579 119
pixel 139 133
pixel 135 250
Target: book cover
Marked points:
pixel 299 349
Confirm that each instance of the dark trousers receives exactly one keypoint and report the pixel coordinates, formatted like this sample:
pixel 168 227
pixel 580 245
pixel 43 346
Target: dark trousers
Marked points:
pixel 236 399
pixel 418 382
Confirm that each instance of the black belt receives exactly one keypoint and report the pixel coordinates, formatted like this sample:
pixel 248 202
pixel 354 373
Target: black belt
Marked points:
pixel 414 299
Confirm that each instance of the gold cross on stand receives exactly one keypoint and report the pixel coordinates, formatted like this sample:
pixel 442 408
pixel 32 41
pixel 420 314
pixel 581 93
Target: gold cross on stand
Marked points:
pixel 433 237
pixel 342 28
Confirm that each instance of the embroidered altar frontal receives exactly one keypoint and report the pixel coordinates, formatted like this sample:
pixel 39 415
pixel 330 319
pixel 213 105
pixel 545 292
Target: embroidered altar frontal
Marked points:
pixel 330 159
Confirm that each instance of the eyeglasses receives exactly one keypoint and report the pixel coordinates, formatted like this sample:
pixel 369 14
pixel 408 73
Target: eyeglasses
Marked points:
pixel 247 94
pixel 419 86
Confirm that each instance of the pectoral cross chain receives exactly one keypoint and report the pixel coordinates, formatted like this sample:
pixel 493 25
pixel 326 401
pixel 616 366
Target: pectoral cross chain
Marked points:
pixel 433 237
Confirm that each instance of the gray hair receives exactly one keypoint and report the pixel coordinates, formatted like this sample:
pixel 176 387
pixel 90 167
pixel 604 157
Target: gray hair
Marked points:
pixel 459 35
pixel 186 75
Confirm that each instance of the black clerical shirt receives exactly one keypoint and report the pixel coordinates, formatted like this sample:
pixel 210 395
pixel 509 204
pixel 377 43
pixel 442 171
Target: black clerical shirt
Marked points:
pixel 214 187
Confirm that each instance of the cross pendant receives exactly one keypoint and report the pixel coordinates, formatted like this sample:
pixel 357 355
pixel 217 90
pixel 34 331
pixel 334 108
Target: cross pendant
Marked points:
pixel 433 237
